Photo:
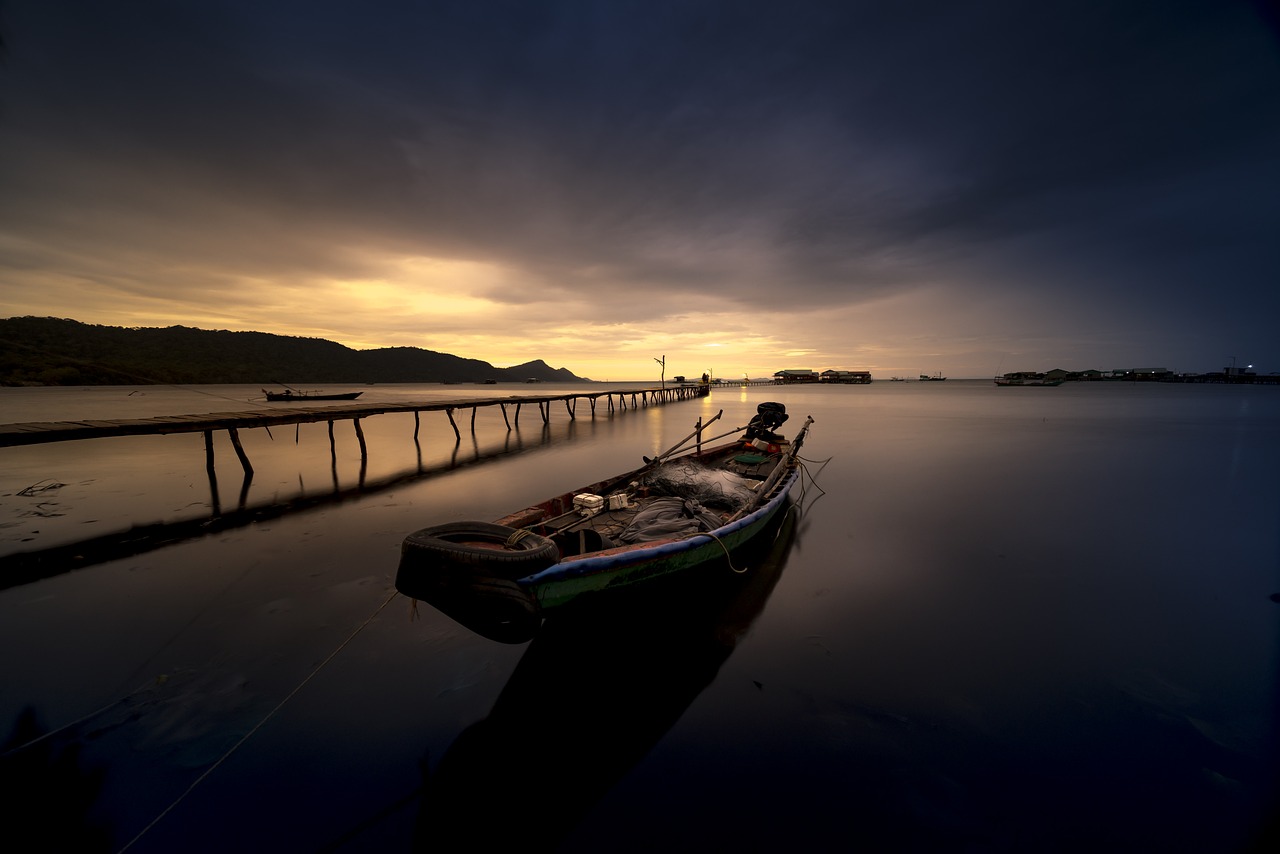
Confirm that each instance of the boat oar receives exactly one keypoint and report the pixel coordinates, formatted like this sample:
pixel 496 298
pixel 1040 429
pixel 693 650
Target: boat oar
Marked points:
pixel 711 439
pixel 682 442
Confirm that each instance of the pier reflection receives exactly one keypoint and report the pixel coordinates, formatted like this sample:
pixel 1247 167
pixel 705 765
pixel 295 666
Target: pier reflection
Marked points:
pixel 26 567
pixel 599 685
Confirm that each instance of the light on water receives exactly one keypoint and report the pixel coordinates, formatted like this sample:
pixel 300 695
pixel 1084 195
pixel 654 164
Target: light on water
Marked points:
pixel 1006 619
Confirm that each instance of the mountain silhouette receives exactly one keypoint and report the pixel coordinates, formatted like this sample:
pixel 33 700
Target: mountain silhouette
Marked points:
pixel 58 351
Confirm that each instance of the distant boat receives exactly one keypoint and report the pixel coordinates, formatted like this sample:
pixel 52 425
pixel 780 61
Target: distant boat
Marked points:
pixel 290 394
pixel 897 379
pixel 533 380
pixel 925 378
pixel 1022 378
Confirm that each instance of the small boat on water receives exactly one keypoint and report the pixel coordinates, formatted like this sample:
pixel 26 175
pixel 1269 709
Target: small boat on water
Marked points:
pixel 619 676
pixel 291 394
pixel 1026 378
pixel 937 378
pixel 684 508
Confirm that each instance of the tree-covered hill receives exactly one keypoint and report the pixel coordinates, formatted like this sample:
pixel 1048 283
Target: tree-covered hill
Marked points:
pixel 55 351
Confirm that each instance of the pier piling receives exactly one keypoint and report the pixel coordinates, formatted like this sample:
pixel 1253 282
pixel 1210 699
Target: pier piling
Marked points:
pixel 37 433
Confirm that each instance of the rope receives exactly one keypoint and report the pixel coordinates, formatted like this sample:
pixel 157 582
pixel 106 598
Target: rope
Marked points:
pixel 208 771
pixel 516 537
pixel 53 732
pixel 725 548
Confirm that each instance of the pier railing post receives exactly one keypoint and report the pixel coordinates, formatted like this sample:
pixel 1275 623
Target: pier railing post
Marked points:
pixel 208 451
pixel 244 458
pixel 454 425
pixel 364 450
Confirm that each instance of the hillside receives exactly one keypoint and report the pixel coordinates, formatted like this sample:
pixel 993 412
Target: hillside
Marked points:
pixel 54 351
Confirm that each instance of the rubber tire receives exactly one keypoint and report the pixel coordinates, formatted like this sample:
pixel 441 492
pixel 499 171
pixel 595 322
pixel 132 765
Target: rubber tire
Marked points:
pixel 471 546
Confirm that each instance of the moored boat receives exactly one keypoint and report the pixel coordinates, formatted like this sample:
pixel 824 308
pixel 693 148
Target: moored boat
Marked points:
pixel 291 394
pixel 937 378
pixel 682 509
pixel 621 673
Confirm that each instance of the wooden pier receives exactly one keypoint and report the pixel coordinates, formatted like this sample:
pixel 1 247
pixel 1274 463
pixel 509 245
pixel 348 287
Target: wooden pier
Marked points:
pixel 42 432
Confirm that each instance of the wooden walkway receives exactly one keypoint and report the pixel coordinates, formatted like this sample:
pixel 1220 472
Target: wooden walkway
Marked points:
pixel 300 412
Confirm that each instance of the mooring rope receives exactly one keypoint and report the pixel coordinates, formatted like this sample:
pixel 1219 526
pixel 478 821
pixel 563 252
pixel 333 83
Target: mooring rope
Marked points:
pixel 73 724
pixel 208 771
pixel 797 507
pixel 727 557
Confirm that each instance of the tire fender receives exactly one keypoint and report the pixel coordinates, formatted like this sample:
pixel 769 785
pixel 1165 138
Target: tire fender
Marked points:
pixel 478 546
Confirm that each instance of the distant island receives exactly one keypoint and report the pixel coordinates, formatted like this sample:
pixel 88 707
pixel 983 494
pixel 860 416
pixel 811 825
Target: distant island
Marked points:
pixel 61 352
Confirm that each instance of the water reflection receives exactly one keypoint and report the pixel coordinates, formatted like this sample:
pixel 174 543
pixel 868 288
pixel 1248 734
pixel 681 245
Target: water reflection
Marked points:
pixel 49 791
pixel 26 567
pixel 597 688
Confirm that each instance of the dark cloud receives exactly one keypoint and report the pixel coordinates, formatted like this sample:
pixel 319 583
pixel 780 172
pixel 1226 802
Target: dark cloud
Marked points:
pixel 848 151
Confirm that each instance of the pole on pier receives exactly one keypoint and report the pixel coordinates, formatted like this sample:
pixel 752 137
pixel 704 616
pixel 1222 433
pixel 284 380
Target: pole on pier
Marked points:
pixel 215 501
pixel 244 459
pixel 415 425
pixel 364 451
pixel 504 416
pixel 453 424
pixel 474 410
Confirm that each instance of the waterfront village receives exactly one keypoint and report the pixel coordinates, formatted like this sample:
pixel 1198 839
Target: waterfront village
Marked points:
pixel 1057 375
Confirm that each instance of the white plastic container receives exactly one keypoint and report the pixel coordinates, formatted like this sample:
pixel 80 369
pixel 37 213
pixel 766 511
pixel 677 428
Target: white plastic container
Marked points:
pixel 588 504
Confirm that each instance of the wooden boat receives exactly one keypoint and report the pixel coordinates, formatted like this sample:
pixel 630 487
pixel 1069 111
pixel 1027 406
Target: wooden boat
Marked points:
pixel 1026 378
pixel 290 394
pixel 937 378
pixel 682 509
pixel 620 676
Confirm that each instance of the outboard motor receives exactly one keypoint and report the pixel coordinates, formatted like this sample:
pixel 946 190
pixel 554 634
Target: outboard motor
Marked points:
pixel 768 417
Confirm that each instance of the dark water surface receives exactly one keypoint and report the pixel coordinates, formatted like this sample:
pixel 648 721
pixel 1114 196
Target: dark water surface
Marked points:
pixel 1034 619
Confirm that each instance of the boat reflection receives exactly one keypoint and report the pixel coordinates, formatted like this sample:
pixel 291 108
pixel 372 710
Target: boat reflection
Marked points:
pixel 599 685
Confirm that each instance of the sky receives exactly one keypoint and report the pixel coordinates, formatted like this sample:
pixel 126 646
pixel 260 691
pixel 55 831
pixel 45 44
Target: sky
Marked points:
pixel 739 187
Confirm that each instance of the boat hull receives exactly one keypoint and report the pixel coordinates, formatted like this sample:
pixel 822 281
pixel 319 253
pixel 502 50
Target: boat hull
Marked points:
pixel 565 581
pixel 501 578
pixel 281 396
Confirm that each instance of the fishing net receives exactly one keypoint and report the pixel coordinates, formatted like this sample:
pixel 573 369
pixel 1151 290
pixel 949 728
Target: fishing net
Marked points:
pixel 670 516
pixel 695 482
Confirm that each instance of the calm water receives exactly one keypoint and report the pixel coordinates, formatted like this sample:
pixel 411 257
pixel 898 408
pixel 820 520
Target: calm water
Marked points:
pixel 1007 620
